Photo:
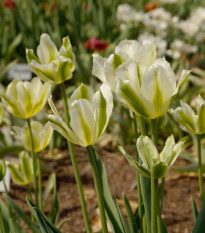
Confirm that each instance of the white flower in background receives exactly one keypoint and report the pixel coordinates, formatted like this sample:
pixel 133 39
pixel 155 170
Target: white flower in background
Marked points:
pixel 179 47
pixel 169 1
pixel 89 115
pixel 127 50
pixel 161 44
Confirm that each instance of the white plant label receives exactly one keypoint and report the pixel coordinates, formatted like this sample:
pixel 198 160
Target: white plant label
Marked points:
pixel 21 72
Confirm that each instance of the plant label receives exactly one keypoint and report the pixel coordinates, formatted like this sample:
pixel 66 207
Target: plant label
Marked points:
pixel 21 72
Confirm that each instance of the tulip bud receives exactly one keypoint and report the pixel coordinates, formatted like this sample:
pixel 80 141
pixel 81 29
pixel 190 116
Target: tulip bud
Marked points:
pixel 2 169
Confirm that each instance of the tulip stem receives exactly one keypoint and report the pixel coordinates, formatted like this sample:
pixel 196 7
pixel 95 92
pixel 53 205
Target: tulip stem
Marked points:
pixel 2 224
pixel 153 206
pixel 200 173
pixel 154 130
pixel 39 181
pixel 98 188
pixel 33 163
pixel 140 203
pixel 75 166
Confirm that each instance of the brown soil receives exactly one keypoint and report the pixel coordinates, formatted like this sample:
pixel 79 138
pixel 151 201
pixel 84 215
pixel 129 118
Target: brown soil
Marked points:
pixel 179 189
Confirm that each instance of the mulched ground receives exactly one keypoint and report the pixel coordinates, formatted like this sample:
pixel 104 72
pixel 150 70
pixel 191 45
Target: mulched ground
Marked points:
pixel 179 189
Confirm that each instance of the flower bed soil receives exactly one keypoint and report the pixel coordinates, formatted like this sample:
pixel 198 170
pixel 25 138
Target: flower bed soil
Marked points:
pixel 179 190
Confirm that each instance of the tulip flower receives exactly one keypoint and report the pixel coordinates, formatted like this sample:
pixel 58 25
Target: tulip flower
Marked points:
pixel 188 120
pixel 52 65
pixel 150 6
pixel 96 45
pixel 154 165
pixel 89 115
pixel 127 50
pixel 10 4
pixel 41 135
pixel 25 99
pixel 22 173
pixel 2 169
pixel 148 92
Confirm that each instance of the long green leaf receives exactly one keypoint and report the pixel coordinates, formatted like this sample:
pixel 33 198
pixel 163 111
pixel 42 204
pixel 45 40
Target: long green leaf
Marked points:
pixel 200 223
pixel 194 209
pixel 130 216
pixel 110 206
pixel 22 215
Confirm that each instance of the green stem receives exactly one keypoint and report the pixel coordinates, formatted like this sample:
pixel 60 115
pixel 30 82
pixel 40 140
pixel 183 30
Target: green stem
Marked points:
pixel 142 126
pixel 98 189
pixel 153 207
pixel 200 174
pixel 162 193
pixel 39 181
pixel 158 209
pixel 2 224
pixel 30 198
pixel 154 130
pixel 34 163
pixel 140 203
pixel 75 166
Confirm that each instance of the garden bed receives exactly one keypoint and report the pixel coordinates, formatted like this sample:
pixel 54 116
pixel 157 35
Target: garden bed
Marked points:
pixel 179 189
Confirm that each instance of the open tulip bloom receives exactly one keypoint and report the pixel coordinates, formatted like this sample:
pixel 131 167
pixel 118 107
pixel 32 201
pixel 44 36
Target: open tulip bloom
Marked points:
pixel 52 65
pixel 41 135
pixel 25 99
pixel 188 120
pixel 89 115
pixel 23 172
pixel 154 165
pixel 126 51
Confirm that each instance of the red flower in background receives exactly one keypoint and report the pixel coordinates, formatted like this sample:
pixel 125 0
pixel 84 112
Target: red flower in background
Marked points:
pixel 96 45
pixel 150 6
pixel 52 6
pixel 10 4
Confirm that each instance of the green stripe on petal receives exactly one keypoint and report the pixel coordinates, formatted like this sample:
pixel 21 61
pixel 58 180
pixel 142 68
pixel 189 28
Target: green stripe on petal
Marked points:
pixel 135 164
pixel 168 149
pixel 101 115
pixel 129 97
pixel 82 92
pixel 82 120
pixel 159 169
pixel 147 151
pixel 26 166
pixel 65 69
pixel 201 119
pixel 53 107
pixel 16 175
pixel 58 124
pixel 175 153
pixel 31 56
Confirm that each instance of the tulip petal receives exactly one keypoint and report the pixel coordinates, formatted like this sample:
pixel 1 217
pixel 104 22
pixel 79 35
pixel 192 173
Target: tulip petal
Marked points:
pixel 135 164
pixel 31 56
pixel 82 92
pixel 175 153
pixel 103 103
pixel 144 54
pixel 66 48
pixel 129 97
pixel 98 67
pixel 65 69
pixel 184 76
pixel 83 121
pixel 147 151
pixel 53 107
pixel 186 117
pixel 201 119
pixel 26 166
pixel 159 169
pixel 2 169
pixel 167 150
pixel 59 125
pixel 16 175
pixel 46 50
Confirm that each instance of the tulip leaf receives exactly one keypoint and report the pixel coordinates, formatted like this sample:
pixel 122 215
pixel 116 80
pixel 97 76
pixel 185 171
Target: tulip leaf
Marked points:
pixel 22 215
pixel 194 209
pixel 200 223
pixel 45 225
pixel 131 218
pixel 110 207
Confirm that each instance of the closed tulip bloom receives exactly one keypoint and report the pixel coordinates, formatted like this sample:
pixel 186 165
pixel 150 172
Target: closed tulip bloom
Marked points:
pixel 22 173
pixel 148 92
pixel 25 99
pixel 2 169
pixel 188 120
pixel 127 51
pixel 50 64
pixel 89 115
pixel 1 113
pixel 154 165
pixel 41 135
